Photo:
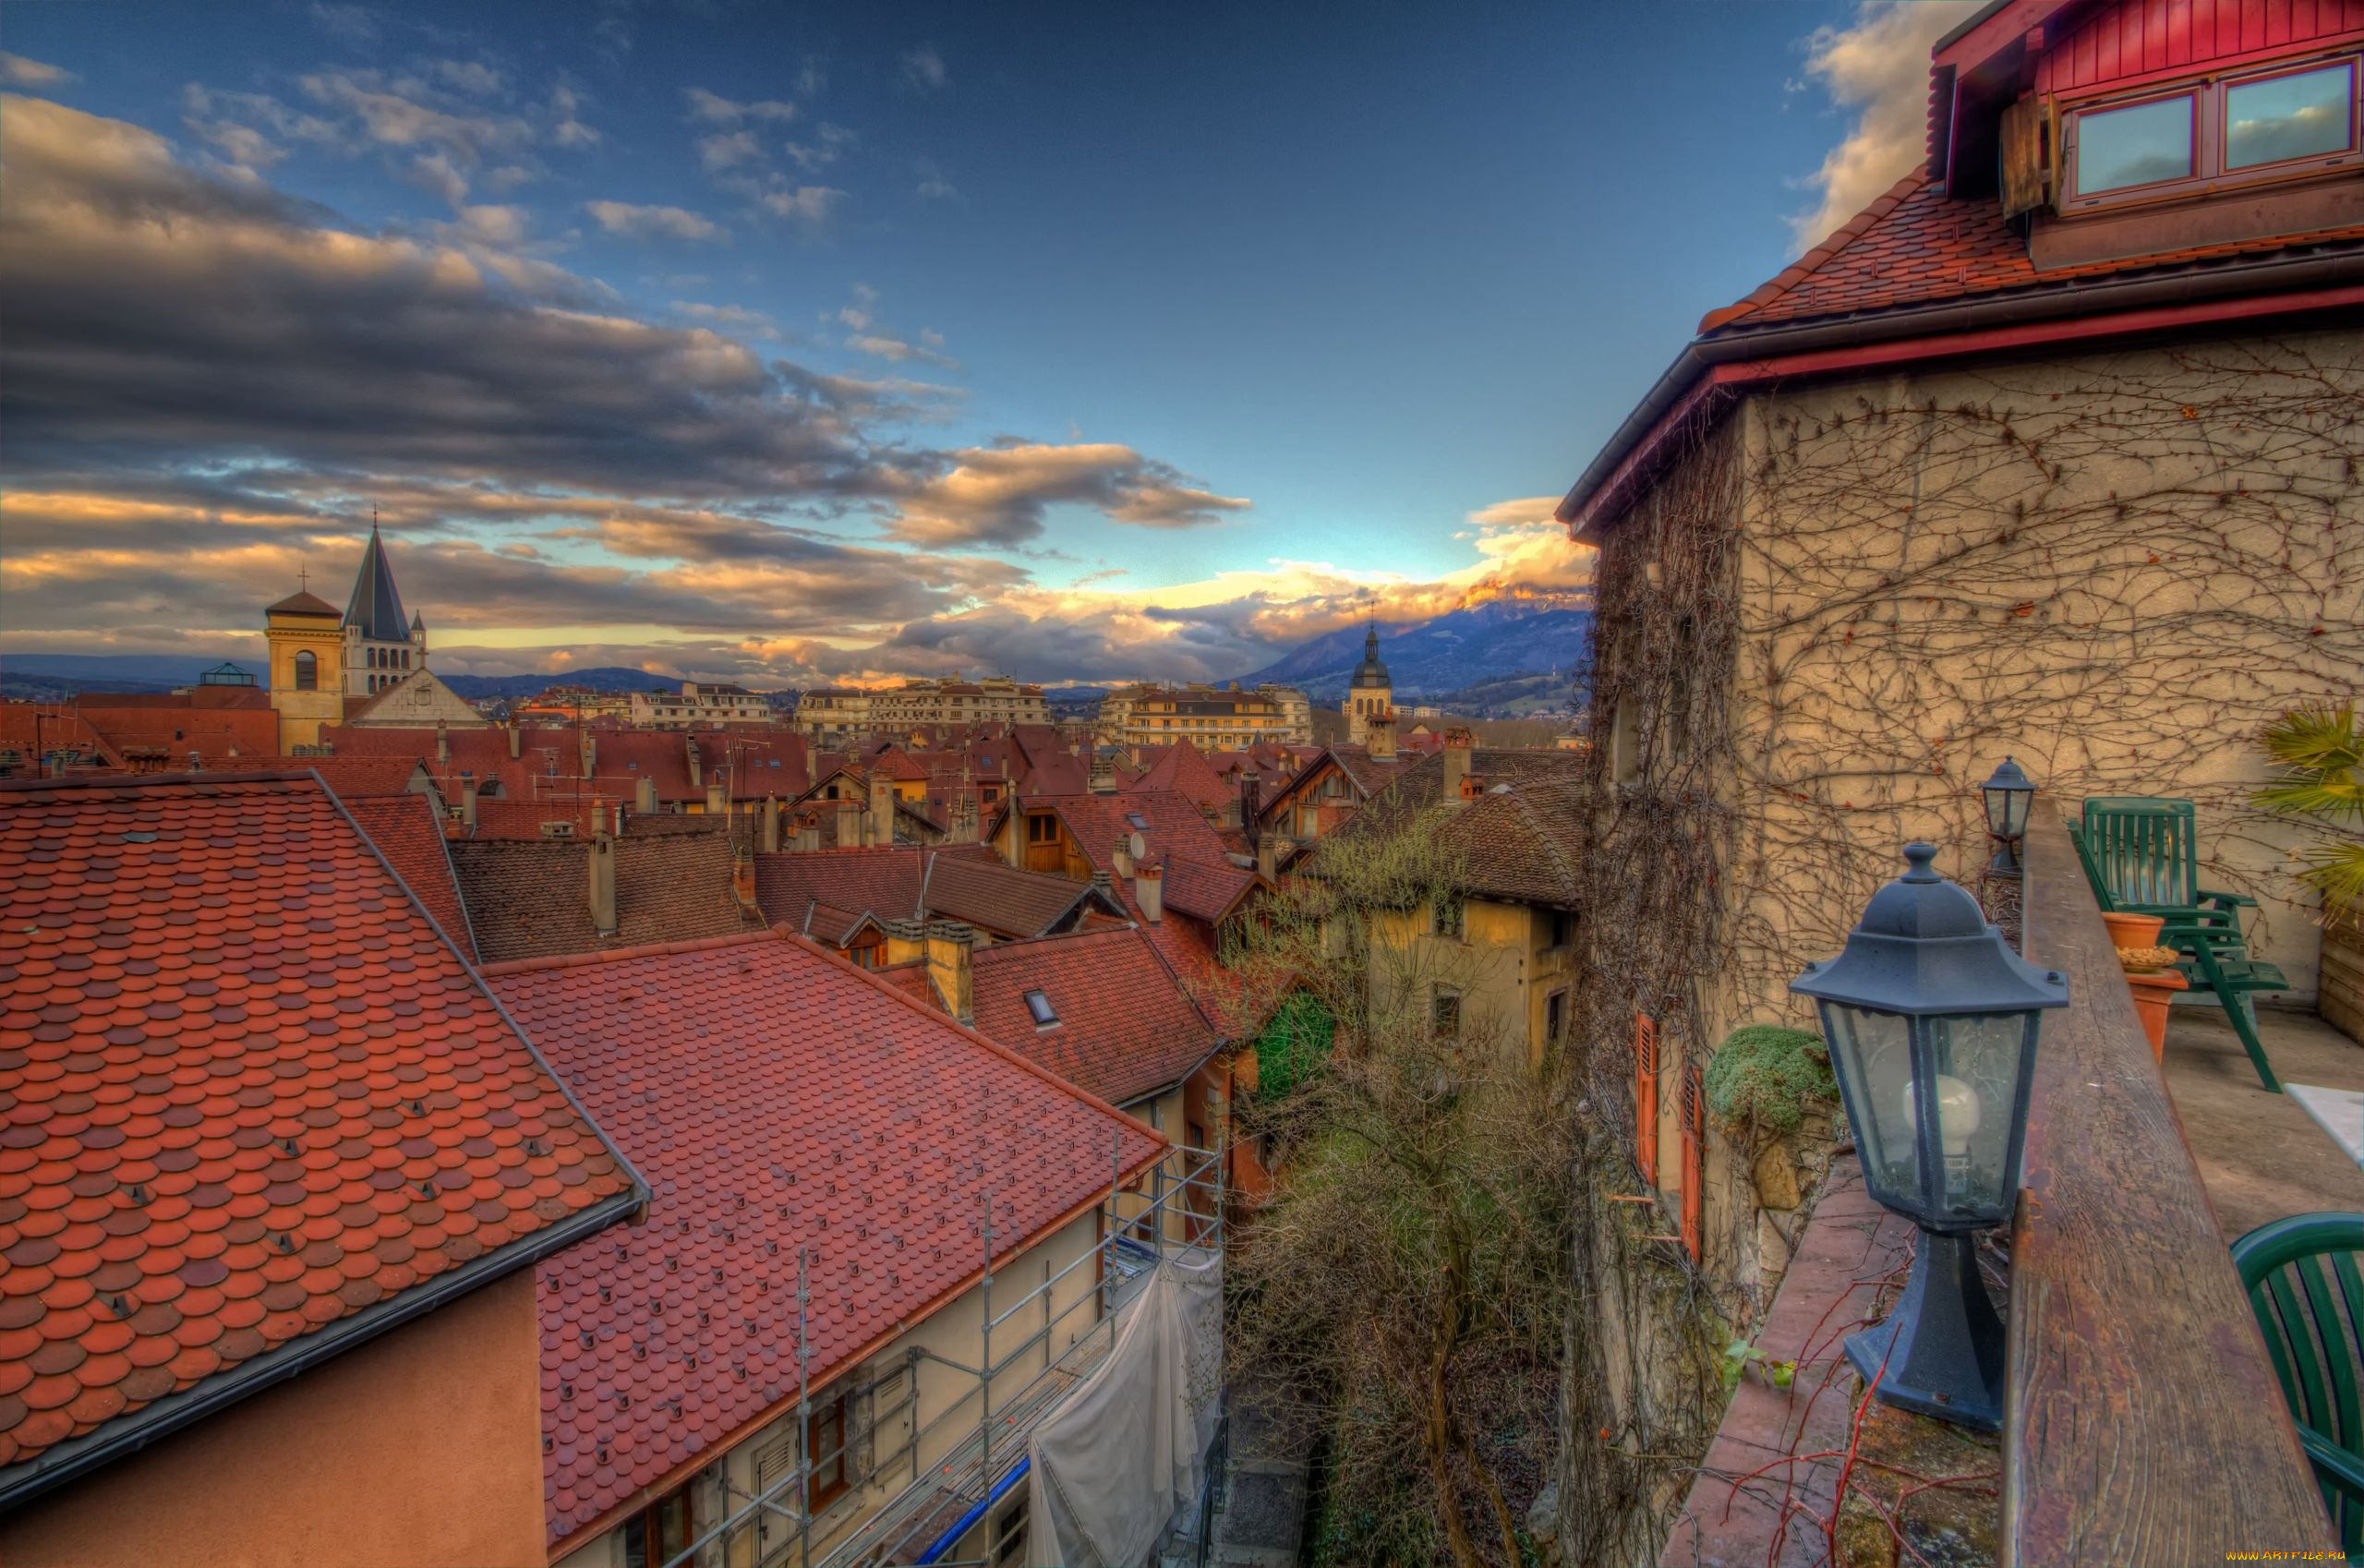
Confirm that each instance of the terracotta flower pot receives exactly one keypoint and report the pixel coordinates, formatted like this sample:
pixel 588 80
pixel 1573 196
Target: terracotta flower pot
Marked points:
pixel 2152 991
pixel 2134 930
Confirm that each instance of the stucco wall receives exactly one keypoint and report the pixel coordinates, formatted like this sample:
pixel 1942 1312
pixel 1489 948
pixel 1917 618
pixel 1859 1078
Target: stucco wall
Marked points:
pixel 421 1447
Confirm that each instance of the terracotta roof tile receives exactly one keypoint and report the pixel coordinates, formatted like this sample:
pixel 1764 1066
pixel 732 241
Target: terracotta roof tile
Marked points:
pixel 1917 246
pixel 246 1090
pixel 777 1099
pixel 1127 1028
pixel 409 833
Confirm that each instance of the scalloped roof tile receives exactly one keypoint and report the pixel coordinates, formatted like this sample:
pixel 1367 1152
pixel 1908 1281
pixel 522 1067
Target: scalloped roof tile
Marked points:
pixel 246 1092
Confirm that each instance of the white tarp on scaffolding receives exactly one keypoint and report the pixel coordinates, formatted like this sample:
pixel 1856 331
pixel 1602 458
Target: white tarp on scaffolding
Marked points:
pixel 1111 1464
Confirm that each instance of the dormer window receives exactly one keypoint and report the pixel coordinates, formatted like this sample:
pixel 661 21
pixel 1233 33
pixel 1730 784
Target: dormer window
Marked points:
pixel 2208 135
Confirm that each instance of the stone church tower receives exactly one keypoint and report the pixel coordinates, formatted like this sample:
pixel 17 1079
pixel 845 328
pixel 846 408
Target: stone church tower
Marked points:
pixel 319 657
pixel 1370 694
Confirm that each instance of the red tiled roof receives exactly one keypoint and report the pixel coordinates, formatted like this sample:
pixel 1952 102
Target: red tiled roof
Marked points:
pixel 1917 246
pixel 1126 1027
pixel 250 1094
pixel 409 833
pixel 354 778
pixel 1184 769
pixel 755 1080
pixel 878 880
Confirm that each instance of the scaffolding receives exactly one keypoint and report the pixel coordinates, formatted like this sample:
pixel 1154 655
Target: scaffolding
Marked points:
pixel 786 1520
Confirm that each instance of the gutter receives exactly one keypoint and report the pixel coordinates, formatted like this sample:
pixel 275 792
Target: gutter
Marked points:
pixel 2069 299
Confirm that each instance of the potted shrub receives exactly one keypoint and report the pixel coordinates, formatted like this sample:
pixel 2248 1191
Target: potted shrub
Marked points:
pixel 2320 747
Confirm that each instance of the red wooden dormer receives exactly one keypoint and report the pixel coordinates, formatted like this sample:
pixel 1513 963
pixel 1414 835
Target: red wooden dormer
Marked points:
pixel 2135 127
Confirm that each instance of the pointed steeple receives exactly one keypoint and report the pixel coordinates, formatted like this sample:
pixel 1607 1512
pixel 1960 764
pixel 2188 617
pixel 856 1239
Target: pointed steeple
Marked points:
pixel 376 608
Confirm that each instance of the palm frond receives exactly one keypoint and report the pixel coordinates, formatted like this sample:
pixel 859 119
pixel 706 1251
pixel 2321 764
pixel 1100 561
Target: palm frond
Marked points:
pixel 2316 737
pixel 2337 873
pixel 2322 747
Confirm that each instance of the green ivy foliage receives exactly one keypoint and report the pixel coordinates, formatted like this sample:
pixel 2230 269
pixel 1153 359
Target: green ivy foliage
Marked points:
pixel 1768 1076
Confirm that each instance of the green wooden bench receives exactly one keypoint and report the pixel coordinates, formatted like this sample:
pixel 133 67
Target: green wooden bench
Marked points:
pixel 2302 1282
pixel 2142 857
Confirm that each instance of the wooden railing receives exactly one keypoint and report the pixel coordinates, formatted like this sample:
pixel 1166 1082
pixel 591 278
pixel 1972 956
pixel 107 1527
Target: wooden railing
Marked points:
pixel 2143 1423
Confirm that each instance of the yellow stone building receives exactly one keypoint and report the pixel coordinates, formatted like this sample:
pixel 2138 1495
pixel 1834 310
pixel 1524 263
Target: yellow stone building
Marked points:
pixel 320 657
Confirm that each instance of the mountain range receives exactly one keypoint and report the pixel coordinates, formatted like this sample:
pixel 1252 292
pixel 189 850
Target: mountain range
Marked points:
pixel 1518 633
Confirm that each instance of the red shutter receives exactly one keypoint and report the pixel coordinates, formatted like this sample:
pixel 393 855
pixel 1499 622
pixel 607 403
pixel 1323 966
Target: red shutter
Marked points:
pixel 1694 1170
pixel 1645 1097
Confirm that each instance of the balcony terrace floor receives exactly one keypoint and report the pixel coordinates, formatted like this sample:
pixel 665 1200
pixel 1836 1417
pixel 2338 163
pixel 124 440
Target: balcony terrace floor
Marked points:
pixel 2261 1155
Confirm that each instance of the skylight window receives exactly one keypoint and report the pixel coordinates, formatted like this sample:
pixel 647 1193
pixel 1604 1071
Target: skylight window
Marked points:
pixel 1040 1005
pixel 1140 822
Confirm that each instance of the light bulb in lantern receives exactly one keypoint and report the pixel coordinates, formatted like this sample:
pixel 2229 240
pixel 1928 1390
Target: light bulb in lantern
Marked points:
pixel 1958 1115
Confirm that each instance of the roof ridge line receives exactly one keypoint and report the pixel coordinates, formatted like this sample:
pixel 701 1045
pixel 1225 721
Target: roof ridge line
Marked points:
pixel 1816 256
pixel 872 980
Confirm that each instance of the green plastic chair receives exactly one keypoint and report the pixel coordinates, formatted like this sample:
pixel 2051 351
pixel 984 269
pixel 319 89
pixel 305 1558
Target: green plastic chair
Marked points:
pixel 2141 855
pixel 2302 1282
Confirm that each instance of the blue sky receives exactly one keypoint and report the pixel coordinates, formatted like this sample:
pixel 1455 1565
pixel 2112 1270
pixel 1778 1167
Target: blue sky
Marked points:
pixel 1114 340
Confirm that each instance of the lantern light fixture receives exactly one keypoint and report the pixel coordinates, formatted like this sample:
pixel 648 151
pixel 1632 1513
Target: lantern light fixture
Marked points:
pixel 2008 793
pixel 1932 1021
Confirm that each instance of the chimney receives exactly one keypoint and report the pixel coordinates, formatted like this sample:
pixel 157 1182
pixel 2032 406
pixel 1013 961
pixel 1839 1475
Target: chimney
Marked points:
pixel 882 807
pixel 964 820
pixel 1148 892
pixel 1382 743
pixel 1103 773
pixel 1251 805
pixel 906 939
pixel 1268 857
pixel 848 824
pixel 644 796
pixel 603 883
pixel 590 749
pixel 717 800
pixel 697 765
pixel 1123 858
pixel 1456 764
pixel 743 879
pixel 808 830
pixel 468 801
pixel 515 742
pixel 442 744
pixel 768 833
pixel 949 944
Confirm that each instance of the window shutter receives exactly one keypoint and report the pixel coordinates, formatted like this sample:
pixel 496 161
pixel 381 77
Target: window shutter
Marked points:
pixel 2023 157
pixel 1690 1114
pixel 1645 1097
pixel 775 1463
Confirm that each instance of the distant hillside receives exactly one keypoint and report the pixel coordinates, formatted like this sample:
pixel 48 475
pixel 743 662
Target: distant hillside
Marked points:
pixel 1513 696
pixel 606 677
pixel 1450 653
pixel 34 674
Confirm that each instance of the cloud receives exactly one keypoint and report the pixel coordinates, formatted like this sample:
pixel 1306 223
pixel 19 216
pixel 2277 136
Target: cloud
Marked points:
pixel 567 128
pixel 998 495
pixel 894 350
pixel 635 221
pixel 353 24
pixel 240 126
pixel 712 107
pixel 472 77
pixel 933 186
pixel 728 148
pixel 735 317
pixel 392 119
pixel 18 71
pixel 923 68
pixel 831 144
pixel 804 204
pixel 1879 70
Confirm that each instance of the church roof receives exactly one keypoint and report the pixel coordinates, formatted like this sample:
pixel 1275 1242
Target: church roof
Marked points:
pixel 376 608
pixel 302 604
pixel 1370 671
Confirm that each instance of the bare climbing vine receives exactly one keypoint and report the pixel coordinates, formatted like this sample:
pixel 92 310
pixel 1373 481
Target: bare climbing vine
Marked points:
pixel 1821 625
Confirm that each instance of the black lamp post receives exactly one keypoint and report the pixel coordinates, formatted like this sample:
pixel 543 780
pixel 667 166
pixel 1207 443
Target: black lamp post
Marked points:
pixel 1932 1021
pixel 2008 795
